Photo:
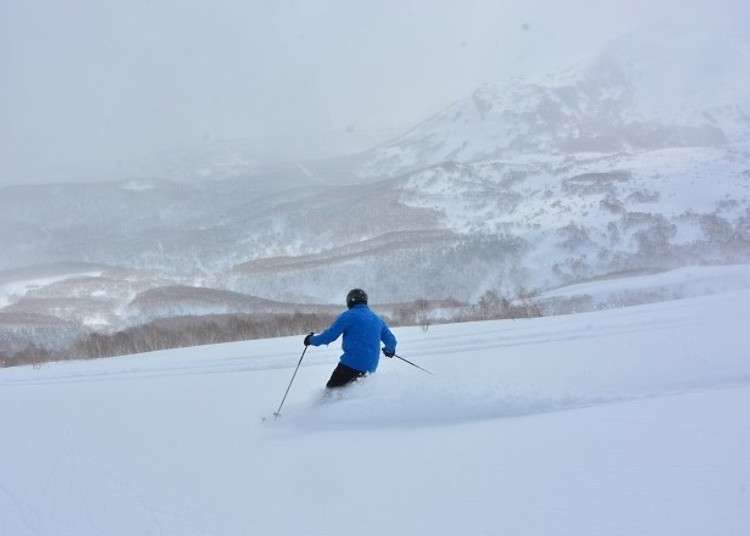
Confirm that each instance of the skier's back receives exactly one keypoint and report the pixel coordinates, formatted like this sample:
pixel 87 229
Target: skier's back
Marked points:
pixel 363 331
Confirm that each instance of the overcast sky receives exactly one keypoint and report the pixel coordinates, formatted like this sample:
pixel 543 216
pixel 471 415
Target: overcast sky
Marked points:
pixel 89 86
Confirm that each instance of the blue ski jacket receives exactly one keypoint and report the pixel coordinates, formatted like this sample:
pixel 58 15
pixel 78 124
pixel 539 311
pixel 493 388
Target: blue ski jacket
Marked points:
pixel 363 330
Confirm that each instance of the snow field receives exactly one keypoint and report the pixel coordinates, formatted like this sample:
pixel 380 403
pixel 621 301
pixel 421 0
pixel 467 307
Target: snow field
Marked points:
pixel 629 421
pixel 689 281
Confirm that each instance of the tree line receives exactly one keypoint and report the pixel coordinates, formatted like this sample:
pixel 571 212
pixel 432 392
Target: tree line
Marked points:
pixel 185 331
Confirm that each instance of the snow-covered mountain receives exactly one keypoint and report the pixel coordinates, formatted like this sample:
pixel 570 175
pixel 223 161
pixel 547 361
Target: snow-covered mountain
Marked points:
pixel 666 86
pixel 637 160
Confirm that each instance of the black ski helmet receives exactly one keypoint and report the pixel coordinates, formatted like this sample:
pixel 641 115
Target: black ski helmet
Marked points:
pixel 356 296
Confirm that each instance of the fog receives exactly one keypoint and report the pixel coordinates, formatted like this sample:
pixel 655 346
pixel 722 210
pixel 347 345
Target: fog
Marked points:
pixel 89 89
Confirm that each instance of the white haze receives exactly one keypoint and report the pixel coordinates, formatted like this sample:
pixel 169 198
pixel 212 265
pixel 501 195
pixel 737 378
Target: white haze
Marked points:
pixel 89 89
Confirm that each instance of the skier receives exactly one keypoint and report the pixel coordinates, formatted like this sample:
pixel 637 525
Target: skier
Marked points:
pixel 363 330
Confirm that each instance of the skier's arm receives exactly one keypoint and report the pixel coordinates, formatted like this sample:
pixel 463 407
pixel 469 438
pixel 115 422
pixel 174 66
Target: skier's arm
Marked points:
pixel 332 333
pixel 388 338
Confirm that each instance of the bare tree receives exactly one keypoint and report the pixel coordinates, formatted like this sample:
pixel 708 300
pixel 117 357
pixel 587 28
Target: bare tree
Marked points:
pixel 422 314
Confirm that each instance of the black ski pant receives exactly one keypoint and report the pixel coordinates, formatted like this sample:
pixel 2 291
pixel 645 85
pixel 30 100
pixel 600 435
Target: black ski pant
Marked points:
pixel 342 375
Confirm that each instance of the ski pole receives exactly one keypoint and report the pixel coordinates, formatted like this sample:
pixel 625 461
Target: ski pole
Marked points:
pixel 413 364
pixel 277 413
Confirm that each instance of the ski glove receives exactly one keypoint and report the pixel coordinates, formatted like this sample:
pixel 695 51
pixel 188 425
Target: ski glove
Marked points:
pixel 307 338
pixel 388 353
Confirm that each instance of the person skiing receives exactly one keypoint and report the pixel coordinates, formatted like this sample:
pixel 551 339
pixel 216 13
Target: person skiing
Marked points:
pixel 363 331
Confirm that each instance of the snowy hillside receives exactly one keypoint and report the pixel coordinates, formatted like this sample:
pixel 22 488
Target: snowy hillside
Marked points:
pixel 684 282
pixel 637 159
pixel 575 218
pixel 629 421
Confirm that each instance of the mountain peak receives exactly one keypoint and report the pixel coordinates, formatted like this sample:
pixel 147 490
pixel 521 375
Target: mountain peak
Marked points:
pixel 670 85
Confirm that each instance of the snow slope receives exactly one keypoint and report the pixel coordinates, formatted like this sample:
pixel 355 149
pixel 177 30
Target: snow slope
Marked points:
pixel 11 290
pixel 629 421
pixel 683 282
